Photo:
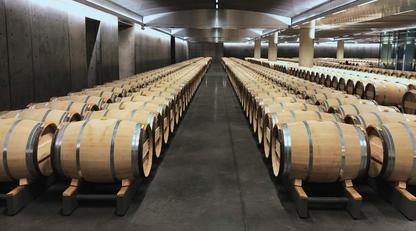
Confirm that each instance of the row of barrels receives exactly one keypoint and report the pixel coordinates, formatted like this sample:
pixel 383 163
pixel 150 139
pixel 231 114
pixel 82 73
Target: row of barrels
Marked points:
pixel 105 134
pixel 366 68
pixel 306 142
pixel 385 90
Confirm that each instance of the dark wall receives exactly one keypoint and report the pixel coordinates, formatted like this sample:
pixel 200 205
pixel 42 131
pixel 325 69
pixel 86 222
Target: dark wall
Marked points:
pixel 126 51
pixel 50 48
pixel 181 50
pixel 289 50
pixel 44 48
pixel 214 50
pixel 152 49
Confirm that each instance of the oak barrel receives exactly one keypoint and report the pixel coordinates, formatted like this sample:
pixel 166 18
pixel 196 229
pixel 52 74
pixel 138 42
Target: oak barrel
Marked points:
pixel 163 110
pixel 409 102
pixel 70 106
pixel 103 151
pixel 278 118
pixel 281 107
pixel 355 109
pixel 378 118
pixel 321 152
pixel 44 115
pixel 392 150
pixel 385 93
pixel 26 149
pixel 140 116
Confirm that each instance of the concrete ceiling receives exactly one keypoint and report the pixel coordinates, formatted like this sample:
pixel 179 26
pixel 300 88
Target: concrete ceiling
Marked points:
pixel 241 20
pixel 288 8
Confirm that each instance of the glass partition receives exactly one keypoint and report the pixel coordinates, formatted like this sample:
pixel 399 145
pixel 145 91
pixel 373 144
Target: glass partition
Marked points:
pixel 397 50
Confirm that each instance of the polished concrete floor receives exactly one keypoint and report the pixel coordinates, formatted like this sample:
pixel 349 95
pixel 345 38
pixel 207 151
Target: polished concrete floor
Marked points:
pixel 212 177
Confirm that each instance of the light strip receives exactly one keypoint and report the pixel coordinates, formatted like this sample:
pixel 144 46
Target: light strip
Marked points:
pixel 339 12
pixel 366 3
pixel 404 12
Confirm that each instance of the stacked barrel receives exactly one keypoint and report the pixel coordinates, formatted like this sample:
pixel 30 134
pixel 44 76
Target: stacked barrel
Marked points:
pixel 104 134
pixel 320 134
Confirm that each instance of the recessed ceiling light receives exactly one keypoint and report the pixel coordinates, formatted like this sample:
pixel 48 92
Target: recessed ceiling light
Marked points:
pixel 216 6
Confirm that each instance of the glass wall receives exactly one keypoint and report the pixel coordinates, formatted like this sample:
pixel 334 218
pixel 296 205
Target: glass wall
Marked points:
pixel 397 50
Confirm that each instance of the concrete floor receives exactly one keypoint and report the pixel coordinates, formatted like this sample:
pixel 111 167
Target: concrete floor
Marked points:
pixel 212 178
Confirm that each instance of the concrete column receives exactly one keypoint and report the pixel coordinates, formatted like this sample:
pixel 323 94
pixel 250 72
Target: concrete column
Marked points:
pixel 272 48
pixel 257 48
pixel 340 49
pixel 306 46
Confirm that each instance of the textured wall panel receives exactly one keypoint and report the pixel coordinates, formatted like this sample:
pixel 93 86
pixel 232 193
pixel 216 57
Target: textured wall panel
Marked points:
pixel 126 52
pixel 20 52
pixel 152 50
pixel 51 59
pixel 4 62
pixel 77 48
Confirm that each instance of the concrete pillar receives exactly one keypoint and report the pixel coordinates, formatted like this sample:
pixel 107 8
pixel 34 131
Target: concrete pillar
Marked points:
pixel 306 46
pixel 272 56
pixel 257 48
pixel 340 49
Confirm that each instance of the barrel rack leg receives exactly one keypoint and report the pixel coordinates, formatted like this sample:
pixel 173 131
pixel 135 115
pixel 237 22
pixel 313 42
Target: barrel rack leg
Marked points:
pixel 22 194
pixel 123 197
pixel 301 199
pixel 69 197
pixel 354 200
pixel 351 198
pixel 399 195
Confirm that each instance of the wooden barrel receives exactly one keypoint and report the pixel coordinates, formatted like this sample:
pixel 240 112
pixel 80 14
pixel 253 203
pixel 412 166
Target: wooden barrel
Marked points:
pixel 359 88
pixel 26 149
pixel 281 107
pixel 334 83
pixel 258 108
pixel 355 109
pixel 350 87
pixel 278 118
pixel 154 99
pixel 320 97
pixel 385 93
pixel 46 115
pixel 118 91
pixel 139 116
pixel 342 84
pixel 170 97
pixel 338 101
pixel 108 96
pixel 103 151
pixel 168 122
pixel 88 99
pixel 392 148
pixel 378 118
pixel 309 154
pixel 70 106
pixel 409 102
